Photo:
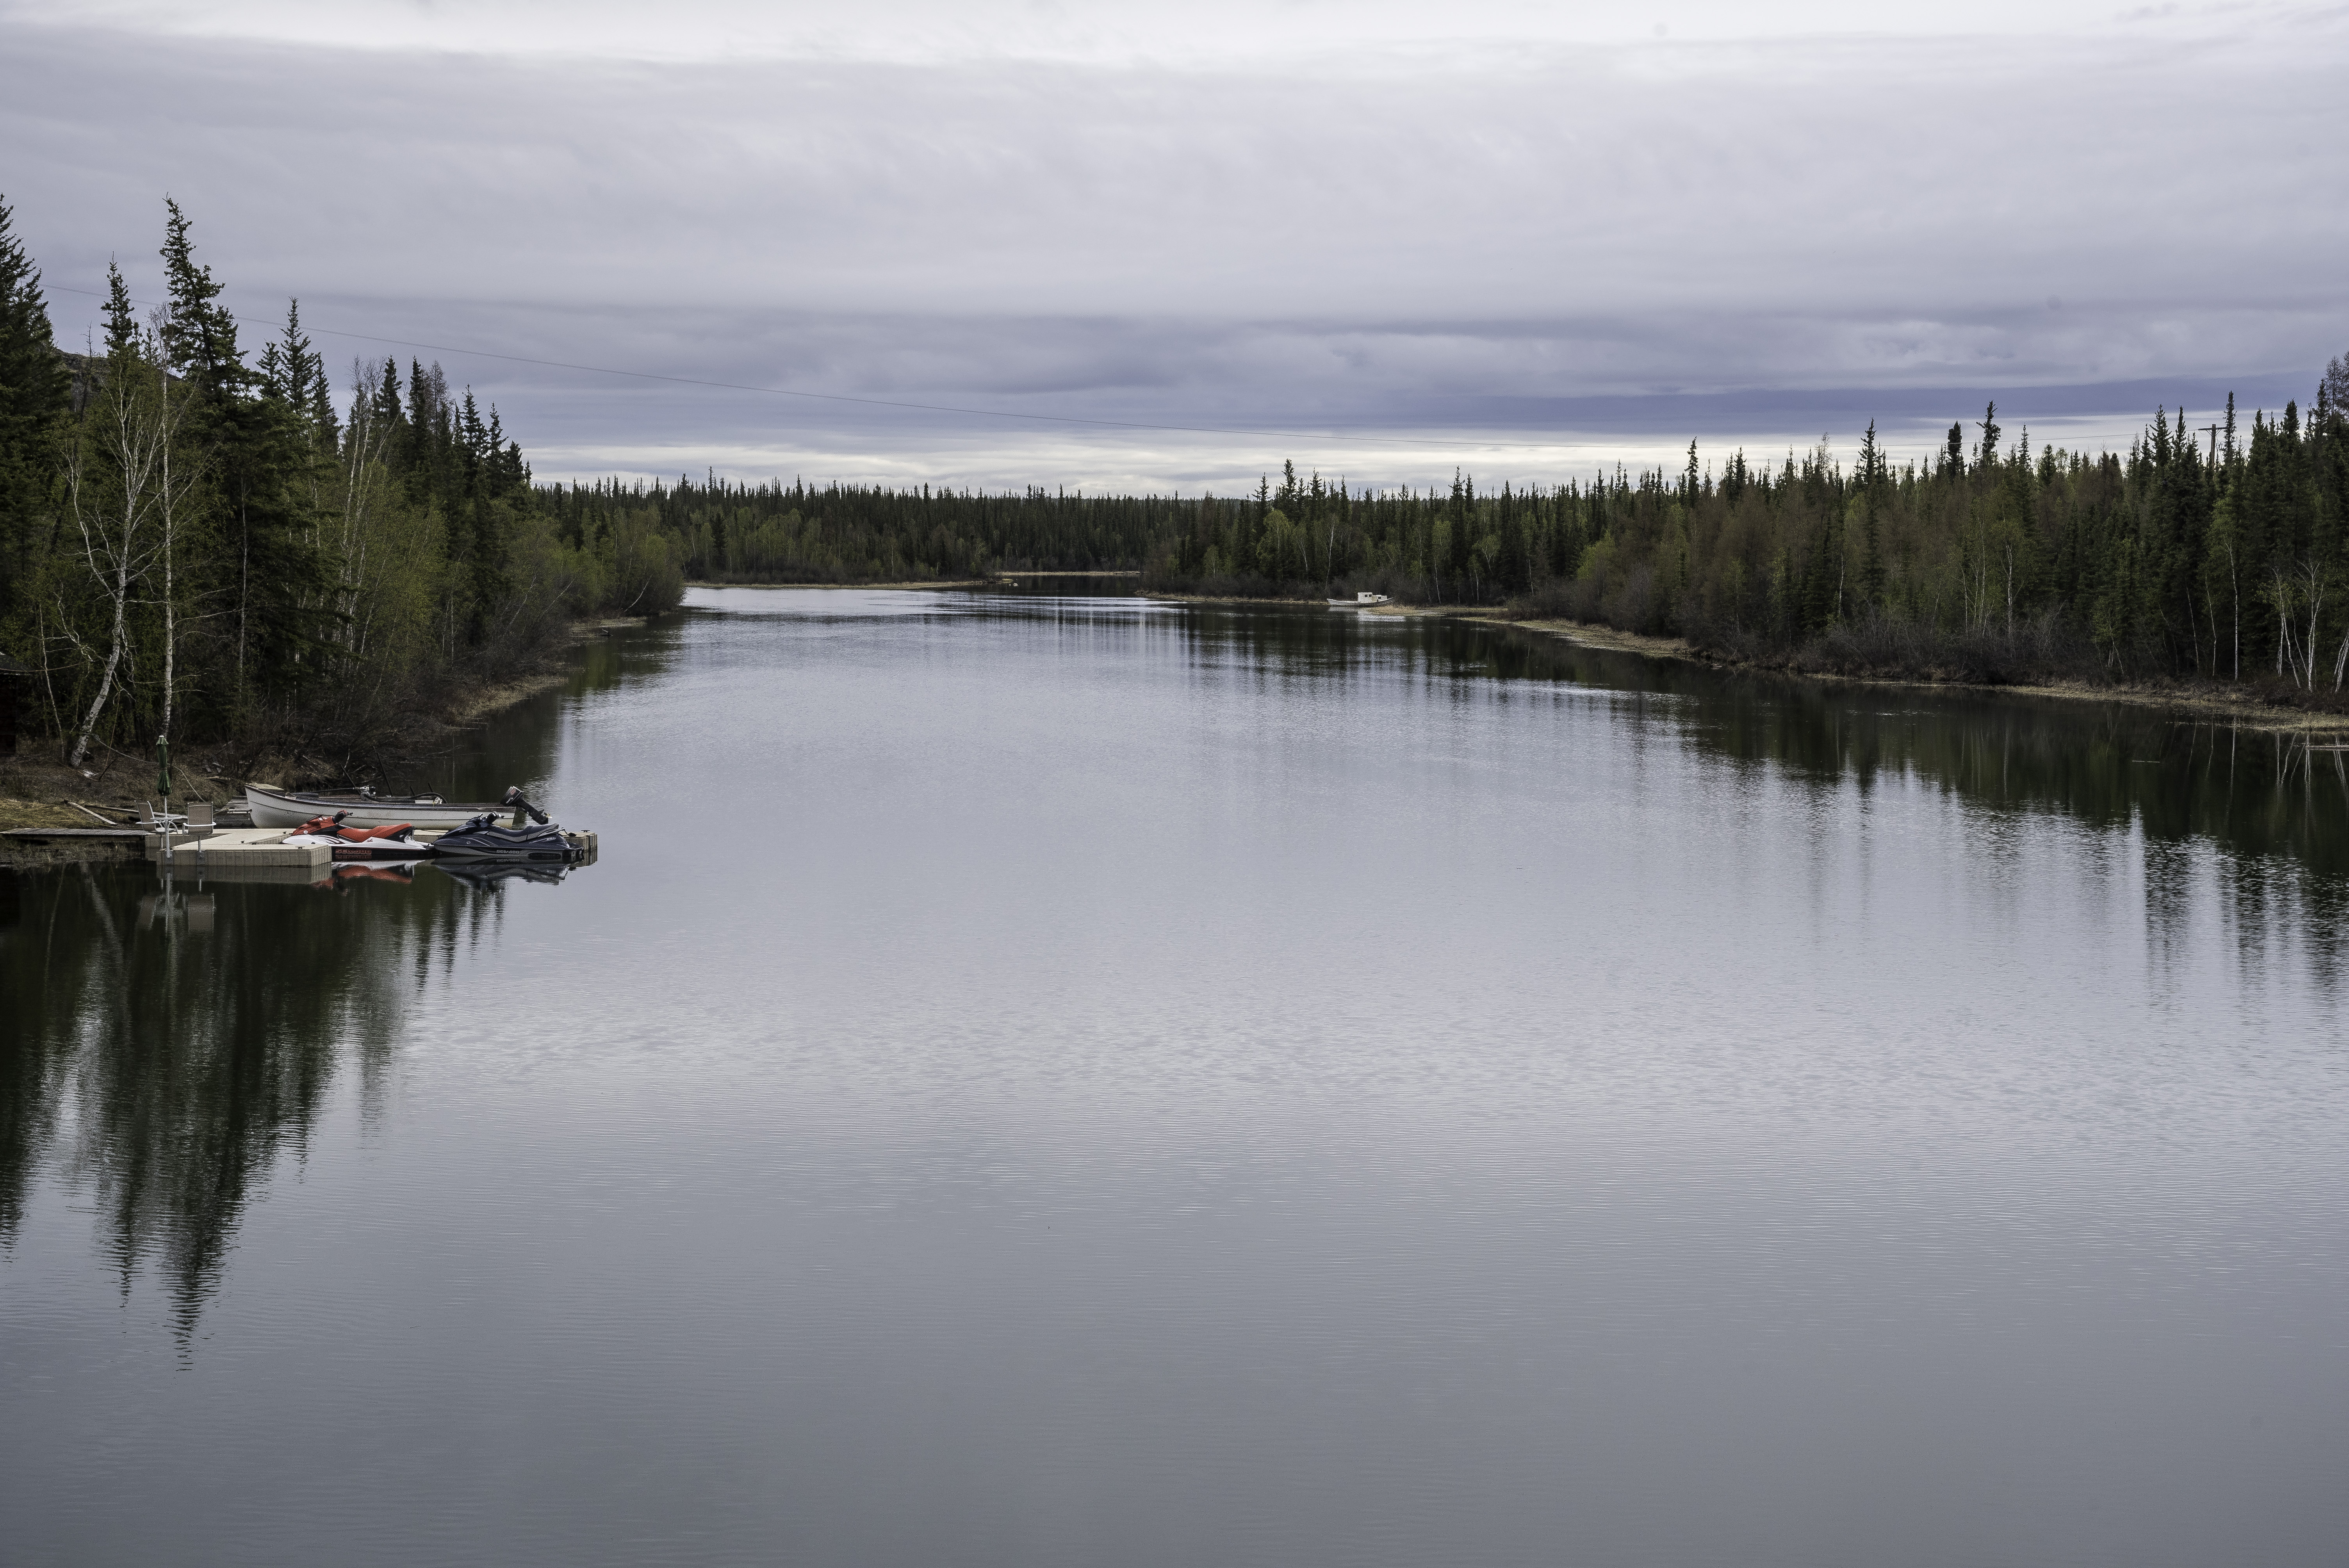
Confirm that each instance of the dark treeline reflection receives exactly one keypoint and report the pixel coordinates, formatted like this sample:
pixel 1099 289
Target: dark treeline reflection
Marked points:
pixel 161 1049
pixel 2275 804
pixel 164 1048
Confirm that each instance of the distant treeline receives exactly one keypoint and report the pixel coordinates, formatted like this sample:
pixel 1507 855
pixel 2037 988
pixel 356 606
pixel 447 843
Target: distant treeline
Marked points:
pixel 2218 552
pixel 773 532
pixel 197 542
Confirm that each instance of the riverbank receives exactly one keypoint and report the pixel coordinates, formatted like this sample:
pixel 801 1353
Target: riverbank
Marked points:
pixel 40 790
pixel 480 702
pixel 2203 701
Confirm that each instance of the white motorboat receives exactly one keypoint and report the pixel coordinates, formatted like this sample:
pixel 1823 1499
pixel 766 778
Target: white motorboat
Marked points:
pixel 276 808
pixel 1361 601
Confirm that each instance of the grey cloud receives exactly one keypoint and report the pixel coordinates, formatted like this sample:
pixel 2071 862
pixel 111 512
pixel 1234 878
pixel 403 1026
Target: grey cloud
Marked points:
pixel 1588 237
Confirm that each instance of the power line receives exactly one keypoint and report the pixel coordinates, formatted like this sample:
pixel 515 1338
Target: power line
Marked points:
pixel 882 402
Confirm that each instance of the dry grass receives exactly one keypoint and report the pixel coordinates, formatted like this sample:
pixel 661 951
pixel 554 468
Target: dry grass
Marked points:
pixel 38 814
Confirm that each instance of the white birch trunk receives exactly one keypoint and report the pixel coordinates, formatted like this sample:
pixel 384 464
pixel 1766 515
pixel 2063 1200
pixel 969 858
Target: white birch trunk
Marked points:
pixel 132 441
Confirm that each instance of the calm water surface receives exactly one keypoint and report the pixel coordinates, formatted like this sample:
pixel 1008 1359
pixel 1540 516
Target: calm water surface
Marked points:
pixel 1073 1081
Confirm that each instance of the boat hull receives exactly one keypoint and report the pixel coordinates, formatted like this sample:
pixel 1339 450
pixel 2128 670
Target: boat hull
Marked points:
pixel 291 808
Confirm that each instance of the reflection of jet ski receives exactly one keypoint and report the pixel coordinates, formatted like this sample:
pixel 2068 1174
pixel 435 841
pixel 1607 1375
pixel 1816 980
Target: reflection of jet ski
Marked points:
pixel 482 840
pixel 404 874
pixel 484 875
pixel 396 842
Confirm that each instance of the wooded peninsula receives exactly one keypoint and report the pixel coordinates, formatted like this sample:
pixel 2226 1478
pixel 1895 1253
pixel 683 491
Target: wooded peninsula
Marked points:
pixel 198 543
pixel 216 545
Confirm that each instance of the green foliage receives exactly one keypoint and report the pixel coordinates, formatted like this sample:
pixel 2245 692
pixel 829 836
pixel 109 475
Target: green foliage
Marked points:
pixel 196 543
pixel 33 385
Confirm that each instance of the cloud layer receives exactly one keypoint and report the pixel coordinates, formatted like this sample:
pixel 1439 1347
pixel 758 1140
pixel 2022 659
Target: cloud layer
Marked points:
pixel 1549 251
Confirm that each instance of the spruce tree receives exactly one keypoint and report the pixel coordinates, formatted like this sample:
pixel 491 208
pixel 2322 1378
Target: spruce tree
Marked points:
pixel 387 396
pixel 266 573
pixel 1871 473
pixel 198 334
pixel 121 316
pixel 34 392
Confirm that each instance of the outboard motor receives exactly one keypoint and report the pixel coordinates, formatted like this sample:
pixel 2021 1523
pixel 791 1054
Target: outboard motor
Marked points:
pixel 523 810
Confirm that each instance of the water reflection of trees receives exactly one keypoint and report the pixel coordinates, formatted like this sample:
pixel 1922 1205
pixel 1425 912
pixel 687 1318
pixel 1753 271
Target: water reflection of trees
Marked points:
pixel 2266 814
pixel 2263 815
pixel 2105 765
pixel 162 1055
pixel 523 744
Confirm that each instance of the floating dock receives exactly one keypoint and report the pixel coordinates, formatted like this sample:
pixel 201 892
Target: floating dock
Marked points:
pixel 229 854
pixel 253 847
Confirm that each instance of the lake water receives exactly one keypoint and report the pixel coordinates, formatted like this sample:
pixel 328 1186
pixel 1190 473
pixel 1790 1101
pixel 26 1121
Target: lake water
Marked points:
pixel 1055 1080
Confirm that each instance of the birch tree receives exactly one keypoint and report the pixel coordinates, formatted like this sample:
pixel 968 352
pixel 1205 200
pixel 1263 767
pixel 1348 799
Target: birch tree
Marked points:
pixel 128 493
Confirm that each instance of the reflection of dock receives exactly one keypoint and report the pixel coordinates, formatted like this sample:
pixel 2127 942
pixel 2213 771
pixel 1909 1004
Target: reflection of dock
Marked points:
pixel 228 854
pixel 233 868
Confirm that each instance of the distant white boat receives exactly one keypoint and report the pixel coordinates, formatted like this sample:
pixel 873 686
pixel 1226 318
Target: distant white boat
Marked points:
pixel 1361 601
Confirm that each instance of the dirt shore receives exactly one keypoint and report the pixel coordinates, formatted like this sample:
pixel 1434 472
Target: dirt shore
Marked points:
pixel 482 701
pixel 2205 701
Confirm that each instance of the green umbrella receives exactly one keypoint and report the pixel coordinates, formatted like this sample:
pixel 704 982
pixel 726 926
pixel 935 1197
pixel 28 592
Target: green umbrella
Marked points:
pixel 163 769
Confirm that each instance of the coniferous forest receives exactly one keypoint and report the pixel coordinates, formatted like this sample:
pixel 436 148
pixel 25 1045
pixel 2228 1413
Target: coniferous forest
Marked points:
pixel 208 542
pixel 2218 553
pixel 219 545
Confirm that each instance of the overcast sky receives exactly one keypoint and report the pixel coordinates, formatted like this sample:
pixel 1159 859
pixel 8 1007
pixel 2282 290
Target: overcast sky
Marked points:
pixel 1515 238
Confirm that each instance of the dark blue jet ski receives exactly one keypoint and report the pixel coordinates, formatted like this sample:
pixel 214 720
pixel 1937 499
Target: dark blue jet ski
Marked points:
pixel 528 837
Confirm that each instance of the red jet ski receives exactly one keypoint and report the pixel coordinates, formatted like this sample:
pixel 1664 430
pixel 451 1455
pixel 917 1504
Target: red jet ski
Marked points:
pixel 393 843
